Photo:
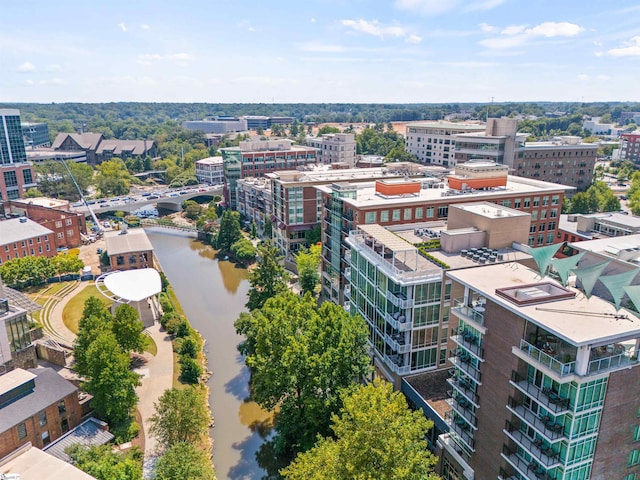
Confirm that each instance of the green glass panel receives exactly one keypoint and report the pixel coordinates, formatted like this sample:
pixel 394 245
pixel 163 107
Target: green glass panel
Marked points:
pixel 563 266
pixel 588 276
pixel 616 283
pixel 633 292
pixel 543 256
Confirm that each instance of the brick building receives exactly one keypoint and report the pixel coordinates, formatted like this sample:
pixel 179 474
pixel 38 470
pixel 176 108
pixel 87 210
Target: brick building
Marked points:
pixel 98 149
pixel 129 249
pixel 68 227
pixel 36 406
pixel 630 147
pixel 22 237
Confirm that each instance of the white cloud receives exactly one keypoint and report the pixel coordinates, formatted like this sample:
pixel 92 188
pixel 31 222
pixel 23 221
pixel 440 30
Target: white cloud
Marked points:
pixel 26 67
pixel 53 68
pixel 144 26
pixel 486 28
pixel 517 35
pixel 629 48
pixel 375 28
pixel 177 58
pixel 438 7
pixel 52 81
pixel 603 77
pixel 29 81
pixel 122 26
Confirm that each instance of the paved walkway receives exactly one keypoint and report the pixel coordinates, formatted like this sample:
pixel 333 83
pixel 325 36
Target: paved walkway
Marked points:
pixel 62 333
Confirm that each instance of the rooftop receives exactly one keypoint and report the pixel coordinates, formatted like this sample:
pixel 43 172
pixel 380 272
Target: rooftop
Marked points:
pixel 577 320
pixel 130 285
pixel 490 210
pixel 127 241
pixel 14 379
pixel 31 463
pixel 89 433
pixel 432 387
pixel 447 125
pixel 610 246
pixel 18 229
pixel 44 202
pixel 367 197
pixel 210 161
pixel 326 174
pixel 49 389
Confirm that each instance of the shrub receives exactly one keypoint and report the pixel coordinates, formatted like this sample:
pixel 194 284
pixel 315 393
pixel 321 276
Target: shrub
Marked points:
pixel 188 348
pixel 167 317
pixel 190 371
pixel 173 324
pixel 183 330
pixel 165 303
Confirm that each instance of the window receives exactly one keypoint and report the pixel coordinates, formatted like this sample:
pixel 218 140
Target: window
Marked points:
pixel 10 179
pixel 120 260
pixel 384 216
pixel 516 203
pixel 22 431
pixel 26 175
pixel 443 211
pixel 60 235
pixel 419 212
pixel 68 222
pixel 534 215
pixel 395 214
pixel 48 248
pixel 536 201
pixel 69 233
pixel 636 433
pixel 46 440
pixel 527 202
pixel 634 458
pixel 62 407
pixel 407 213
pixel 42 418
pixel 59 224
pixel 430 212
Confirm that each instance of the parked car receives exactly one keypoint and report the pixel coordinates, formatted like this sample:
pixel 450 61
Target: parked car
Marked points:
pixel 153 197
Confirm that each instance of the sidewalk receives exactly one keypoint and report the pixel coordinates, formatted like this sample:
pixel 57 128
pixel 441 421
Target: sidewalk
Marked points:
pixel 55 318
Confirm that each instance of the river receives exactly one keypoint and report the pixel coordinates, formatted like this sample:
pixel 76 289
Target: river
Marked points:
pixel 213 294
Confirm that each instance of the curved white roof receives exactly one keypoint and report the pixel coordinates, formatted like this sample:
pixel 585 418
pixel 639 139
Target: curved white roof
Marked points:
pixel 133 285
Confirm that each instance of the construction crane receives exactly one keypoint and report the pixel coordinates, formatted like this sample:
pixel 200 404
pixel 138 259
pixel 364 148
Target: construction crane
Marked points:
pixel 97 228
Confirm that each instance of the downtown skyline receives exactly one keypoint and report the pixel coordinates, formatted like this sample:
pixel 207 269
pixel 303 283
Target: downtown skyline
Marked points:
pixel 399 51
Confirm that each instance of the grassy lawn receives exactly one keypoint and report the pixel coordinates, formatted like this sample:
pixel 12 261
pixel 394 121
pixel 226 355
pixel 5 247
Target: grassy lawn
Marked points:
pixel 150 346
pixel 73 310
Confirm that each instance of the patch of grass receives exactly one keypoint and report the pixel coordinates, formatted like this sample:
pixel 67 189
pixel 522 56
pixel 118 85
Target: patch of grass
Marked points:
pixel 73 310
pixel 174 300
pixel 150 345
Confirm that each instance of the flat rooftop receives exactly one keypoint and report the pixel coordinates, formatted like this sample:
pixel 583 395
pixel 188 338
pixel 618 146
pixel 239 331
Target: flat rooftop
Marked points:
pixel 448 125
pixel 366 195
pixel 31 463
pixel 44 202
pixel 606 246
pixel 578 320
pixel 490 210
pixel 18 229
pixel 210 161
pixel 433 388
pixel 134 240
pixel 14 379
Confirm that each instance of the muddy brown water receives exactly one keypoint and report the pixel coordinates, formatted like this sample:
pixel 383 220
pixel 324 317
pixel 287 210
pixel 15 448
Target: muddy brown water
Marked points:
pixel 213 293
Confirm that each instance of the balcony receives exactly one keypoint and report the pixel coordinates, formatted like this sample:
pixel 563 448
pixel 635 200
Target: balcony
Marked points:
pixel 396 364
pixel 548 359
pixel 530 470
pixel 468 314
pixel 347 292
pixel 549 399
pixel 464 388
pixel 462 407
pixel 347 273
pixel 464 362
pixel 397 343
pixel 544 454
pixel 347 256
pixel 610 357
pixel 470 342
pixel 398 321
pixel 461 429
pixel 546 426
pixel 400 300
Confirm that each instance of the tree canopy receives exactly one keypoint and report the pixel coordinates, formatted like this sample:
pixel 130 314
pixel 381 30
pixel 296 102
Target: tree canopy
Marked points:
pixel 376 436
pixel 184 461
pixel 308 264
pixel 104 463
pixel 268 279
pixel 112 178
pixel 598 198
pixel 230 231
pixel 301 356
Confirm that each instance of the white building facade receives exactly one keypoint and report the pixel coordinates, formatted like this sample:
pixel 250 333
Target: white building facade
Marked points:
pixel 210 170
pixel 433 142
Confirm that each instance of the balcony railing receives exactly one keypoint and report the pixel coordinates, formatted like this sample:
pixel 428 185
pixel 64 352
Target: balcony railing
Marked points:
pixel 462 407
pixel 347 256
pixel 462 430
pixel 544 454
pixel 530 470
pixel 546 426
pixel 464 388
pixel 562 369
pixel 400 300
pixel 347 292
pixel 468 313
pixel 463 361
pixel 347 273
pixel 396 364
pixel 398 344
pixel 470 342
pixel 401 323
pixel 621 360
pixel 550 400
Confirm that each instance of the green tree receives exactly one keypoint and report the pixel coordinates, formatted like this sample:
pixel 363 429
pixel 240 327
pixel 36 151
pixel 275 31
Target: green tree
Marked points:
pixel 33 193
pixel 190 370
pixel 54 180
pixel 127 328
pixel 109 379
pixel 301 356
pixel 181 416
pixel 313 235
pixel 89 327
pixel 308 264
pixel 66 263
pixel 327 129
pixel 268 279
pixel 376 436
pixel 254 229
pixel 398 153
pixel 229 232
pixel 112 178
pixel 244 251
pixel 184 461
pixel 104 463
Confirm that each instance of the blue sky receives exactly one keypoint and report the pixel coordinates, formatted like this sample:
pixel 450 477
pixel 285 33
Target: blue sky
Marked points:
pixel 407 51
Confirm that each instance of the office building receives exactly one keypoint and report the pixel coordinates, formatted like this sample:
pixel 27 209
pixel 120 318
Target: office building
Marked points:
pixel 98 149
pixel 630 147
pixel 545 383
pixel 433 142
pixel 22 237
pixel 414 200
pixel 261 122
pixel 210 170
pixel 36 134
pixel 578 227
pixel 257 158
pixel 36 406
pixel 17 174
pixel 217 125
pixel 335 148
pixel 255 203
pixel 608 130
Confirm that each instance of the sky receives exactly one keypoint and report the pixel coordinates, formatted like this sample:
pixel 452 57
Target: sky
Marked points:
pixel 281 51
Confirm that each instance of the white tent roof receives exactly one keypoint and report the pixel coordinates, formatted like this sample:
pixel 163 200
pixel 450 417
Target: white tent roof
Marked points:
pixel 133 285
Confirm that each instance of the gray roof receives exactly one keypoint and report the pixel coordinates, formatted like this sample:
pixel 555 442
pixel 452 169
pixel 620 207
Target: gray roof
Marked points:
pixel 134 240
pixel 89 433
pixel 31 463
pixel 87 141
pixel 18 229
pixel 118 147
pixel 49 390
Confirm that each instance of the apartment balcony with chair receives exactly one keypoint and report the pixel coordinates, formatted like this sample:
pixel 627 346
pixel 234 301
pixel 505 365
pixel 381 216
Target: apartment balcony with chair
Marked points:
pixel 400 300
pixel 612 357
pixel 541 451
pixel 530 470
pixel 559 358
pixel 397 364
pixel 545 425
pixel 472 314
pixel 470 341
pixel 461 429
pixel 465 388
pixel 463 408
pixel 464 361
pixel 397 342
pixel 347 273
pixel 347 292
pixel 546 397
pixel 398 321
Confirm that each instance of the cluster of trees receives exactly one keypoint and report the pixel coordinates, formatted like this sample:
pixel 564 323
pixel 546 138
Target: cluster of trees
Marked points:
pixel 25 271
pixel 102 352
pixel 230 241
pixel 104 463
pixel 376 141
pixel 634 194
pixel 597 198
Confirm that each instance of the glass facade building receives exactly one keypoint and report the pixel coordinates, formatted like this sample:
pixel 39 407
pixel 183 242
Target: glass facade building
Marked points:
pixel 11 139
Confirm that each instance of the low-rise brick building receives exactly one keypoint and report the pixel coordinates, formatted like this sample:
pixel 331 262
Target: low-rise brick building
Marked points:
pixel 22 237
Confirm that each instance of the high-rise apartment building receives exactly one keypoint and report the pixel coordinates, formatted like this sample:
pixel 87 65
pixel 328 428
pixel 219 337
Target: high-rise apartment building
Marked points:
pixel 335 148
pixel 16 174
pixel 433 142
pixel 630 147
